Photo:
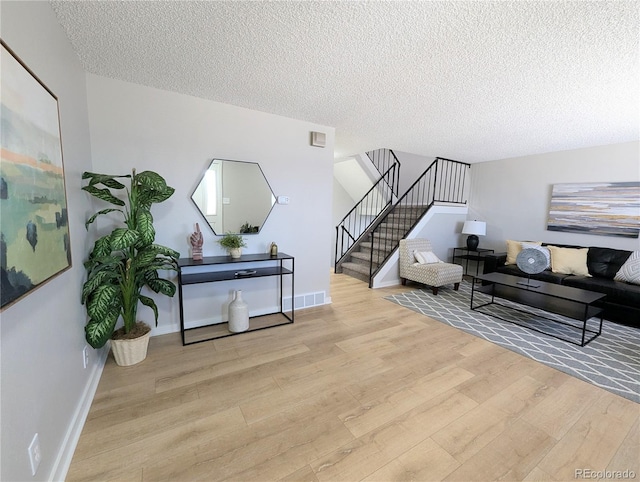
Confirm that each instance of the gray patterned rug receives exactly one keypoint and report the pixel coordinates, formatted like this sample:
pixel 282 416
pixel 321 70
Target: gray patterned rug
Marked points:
pixel 611 361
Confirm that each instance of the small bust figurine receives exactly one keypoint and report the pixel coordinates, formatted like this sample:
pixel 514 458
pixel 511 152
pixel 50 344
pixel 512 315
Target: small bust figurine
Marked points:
pixel 197 241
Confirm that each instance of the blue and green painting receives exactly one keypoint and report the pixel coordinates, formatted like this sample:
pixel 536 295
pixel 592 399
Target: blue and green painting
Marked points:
pixel 34 232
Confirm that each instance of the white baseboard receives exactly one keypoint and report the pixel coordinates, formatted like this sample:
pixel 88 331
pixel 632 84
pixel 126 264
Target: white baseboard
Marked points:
pixel 165 329
pixel 388 283
pixel 70 442
pixel 302 302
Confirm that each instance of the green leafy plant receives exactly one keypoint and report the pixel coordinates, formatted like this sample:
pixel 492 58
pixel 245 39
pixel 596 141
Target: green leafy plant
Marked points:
pixel 232 241
pixel 125 260
pixel 248 228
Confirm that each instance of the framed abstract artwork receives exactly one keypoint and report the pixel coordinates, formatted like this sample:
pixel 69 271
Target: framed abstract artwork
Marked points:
pixel 602 208
pixel 34 231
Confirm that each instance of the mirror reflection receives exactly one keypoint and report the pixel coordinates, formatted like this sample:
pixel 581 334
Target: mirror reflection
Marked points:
pixel 234 196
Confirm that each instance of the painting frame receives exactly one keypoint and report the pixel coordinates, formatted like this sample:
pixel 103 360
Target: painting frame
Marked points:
pixel 35 244
pixel 598 208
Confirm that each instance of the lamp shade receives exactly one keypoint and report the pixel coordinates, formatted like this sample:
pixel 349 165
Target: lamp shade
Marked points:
pixel 479 228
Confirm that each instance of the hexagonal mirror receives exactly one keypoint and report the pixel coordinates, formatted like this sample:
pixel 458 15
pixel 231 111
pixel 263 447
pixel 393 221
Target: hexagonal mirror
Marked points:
pixel 234 197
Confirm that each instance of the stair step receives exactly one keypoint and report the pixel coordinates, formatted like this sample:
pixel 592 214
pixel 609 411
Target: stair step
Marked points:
pixel 406 208
pixel 407 213
pixel 356 275
pixel 389 227
pixel 366 246
pixel 359 261
pixel 396 218
pixel 362 260
pixel 361 257
pixel 396 225
pixel 367 249
pixel 360 268
pixel 390 235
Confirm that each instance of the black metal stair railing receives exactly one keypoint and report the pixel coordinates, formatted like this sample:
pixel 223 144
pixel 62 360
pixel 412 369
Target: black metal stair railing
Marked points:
pixel 443 181
pixel 363 215
pixel 382 160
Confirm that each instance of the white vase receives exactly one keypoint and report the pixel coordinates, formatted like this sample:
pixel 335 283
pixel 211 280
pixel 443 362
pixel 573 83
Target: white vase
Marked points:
pixel 238 314
pixel 235 252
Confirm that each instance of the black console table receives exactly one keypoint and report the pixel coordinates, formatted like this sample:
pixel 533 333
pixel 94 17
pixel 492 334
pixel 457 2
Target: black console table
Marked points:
pixel 467 254
pixel 225 268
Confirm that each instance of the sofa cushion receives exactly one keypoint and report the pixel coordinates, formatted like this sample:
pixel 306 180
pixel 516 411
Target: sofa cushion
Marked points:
pixel 569 260
pixel 514 247
pixel 606 262
pixel 630 270
pixel 616 291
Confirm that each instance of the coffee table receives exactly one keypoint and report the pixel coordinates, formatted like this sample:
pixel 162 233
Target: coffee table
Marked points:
pixel 573 304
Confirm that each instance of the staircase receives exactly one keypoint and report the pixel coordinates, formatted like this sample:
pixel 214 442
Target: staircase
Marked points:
pixel 355 226
pixel 443 181
pixel 364 260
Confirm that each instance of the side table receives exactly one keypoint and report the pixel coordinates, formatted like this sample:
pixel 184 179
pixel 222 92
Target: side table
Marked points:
pixel 467 254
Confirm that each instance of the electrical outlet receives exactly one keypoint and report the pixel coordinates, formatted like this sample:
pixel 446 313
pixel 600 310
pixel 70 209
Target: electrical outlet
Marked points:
pixel 34 454
pixel 85 357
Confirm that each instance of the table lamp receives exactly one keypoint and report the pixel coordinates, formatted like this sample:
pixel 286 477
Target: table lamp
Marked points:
pixel 474 229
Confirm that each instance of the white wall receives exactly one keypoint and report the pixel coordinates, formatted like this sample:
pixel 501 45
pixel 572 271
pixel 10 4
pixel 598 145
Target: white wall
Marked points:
pixel 44 384
pixel 411 167
pixel 342 204
pixel 513 195
pixel 177 136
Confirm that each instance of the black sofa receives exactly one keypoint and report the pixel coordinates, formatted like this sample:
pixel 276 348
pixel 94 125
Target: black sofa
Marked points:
pixel 622 304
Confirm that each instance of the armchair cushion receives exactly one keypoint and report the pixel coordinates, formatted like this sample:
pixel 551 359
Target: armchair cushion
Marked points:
pixel 426 257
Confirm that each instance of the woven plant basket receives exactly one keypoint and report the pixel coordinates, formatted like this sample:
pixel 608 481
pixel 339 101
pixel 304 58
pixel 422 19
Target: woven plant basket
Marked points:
pixel 130 352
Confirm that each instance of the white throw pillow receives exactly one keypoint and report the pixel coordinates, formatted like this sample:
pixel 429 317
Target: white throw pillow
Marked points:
pixel 426 257
pixel 514 248
pixel 630 270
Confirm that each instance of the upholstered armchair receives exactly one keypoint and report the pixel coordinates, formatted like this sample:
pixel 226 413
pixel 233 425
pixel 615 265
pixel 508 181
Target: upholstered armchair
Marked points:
pixel 430 271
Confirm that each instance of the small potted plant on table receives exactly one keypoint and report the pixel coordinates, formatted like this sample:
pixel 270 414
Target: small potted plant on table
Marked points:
pixel 233 243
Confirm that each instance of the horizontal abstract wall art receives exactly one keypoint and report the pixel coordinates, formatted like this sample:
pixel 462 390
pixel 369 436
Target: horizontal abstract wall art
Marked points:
pixel 602 208
pixel 34 233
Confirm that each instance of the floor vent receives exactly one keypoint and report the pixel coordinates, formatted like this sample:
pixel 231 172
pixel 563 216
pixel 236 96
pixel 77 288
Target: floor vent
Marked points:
pixel 305 301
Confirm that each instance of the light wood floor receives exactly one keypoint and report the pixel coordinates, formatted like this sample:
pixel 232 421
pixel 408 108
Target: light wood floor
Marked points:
pixel 361 389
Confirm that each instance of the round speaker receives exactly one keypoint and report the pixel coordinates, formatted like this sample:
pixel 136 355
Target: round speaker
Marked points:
pixel 531 261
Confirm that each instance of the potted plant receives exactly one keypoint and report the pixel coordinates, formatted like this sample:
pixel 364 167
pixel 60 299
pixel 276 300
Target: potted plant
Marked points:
pixel 233 243
pixel 124 261
pixel 248 228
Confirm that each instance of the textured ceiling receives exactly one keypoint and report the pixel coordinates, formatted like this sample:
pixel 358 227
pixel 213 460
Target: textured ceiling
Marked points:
pixel 472 81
